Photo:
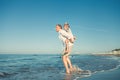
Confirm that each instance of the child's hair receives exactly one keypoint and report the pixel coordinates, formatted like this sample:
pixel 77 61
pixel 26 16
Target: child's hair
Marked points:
pixel 59 26
pixel 67 24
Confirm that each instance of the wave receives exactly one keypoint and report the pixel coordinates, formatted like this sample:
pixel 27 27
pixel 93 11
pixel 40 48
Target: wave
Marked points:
pixel 25 58
pixel 117 67
pixel 93 72
pixel 3 74
pixel 6 74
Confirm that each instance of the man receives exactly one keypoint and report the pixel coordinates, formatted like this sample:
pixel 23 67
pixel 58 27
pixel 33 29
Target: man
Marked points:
pixel 67 41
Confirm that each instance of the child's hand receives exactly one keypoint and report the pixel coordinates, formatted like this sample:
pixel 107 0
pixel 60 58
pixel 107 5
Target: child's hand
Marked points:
pixel 74 37
pixel 71 40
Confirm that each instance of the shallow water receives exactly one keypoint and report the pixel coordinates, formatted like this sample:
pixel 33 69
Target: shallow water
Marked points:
pixel 50 66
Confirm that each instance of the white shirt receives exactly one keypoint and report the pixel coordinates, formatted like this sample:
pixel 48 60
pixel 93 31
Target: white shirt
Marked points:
pixel 70 33
pixel 63 35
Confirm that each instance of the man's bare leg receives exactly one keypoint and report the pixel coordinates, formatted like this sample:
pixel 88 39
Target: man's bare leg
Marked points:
pixel 65 64
pixel 69 63
pixel 68 59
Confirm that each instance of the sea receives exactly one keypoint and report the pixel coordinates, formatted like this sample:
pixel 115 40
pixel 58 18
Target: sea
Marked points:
pixel 50 66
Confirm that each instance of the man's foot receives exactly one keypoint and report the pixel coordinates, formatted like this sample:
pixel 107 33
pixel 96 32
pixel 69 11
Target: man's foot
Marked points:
pixel 71 69
pixel 67 72
pixel 74 69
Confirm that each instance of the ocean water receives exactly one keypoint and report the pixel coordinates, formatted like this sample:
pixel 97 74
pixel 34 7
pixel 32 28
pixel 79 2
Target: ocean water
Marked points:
pixel 50 66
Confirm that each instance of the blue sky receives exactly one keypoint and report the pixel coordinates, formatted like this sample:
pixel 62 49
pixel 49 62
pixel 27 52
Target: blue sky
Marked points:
pixel 28 26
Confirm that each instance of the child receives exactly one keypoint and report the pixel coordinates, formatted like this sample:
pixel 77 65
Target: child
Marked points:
pixel 68 30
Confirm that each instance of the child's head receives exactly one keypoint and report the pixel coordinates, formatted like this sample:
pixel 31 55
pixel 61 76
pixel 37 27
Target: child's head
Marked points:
pixel 66 26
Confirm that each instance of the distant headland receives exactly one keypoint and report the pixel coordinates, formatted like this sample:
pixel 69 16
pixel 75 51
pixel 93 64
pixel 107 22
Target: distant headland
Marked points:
pixel 115 52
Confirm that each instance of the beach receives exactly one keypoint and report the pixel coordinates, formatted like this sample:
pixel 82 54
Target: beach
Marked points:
pixel 50 67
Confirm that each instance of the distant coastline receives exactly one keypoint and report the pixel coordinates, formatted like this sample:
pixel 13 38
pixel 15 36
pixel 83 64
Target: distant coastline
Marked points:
pixel 115 52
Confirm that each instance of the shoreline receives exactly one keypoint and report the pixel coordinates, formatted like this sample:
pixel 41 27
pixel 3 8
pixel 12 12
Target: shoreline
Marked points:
pixel 107 75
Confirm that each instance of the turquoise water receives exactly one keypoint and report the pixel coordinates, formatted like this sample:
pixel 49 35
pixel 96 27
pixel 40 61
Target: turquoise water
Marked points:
pixel 50 66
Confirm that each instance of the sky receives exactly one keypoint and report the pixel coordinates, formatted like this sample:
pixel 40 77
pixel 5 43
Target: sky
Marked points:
pixel 28 26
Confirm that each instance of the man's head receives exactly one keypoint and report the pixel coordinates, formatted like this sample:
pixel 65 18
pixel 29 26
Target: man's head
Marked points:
pixel 58 27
